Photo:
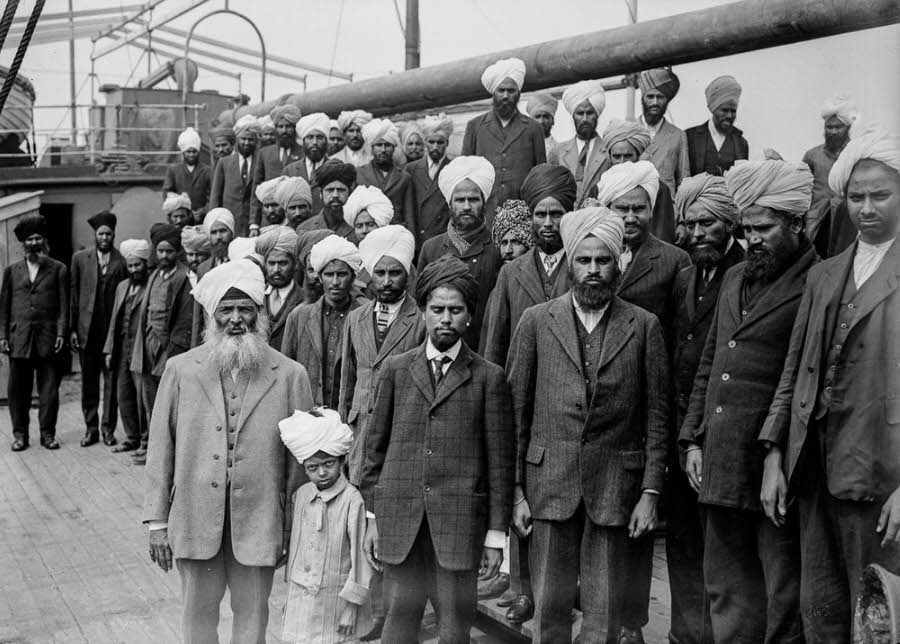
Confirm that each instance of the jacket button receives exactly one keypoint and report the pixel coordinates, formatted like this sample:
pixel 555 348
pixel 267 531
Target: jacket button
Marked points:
pixel 430 416
pixel 215 457
pixel 218 428
pixel 732 344
pixel 577 405
pixel 233 413
pixel 725 377
pixel 802 403
pixel 428 488
pixel 375 369
pixel 428 451
pixel 719 409
pixel 690 336
pixel 584 441
pixel 810 369
pixel 214 484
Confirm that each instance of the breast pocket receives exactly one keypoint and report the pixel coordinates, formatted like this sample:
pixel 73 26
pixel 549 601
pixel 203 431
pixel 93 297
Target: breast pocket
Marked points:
pixel 535 454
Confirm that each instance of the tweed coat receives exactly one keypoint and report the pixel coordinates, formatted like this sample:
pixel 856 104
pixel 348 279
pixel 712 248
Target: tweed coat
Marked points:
pixel 83 289
pixel 197 184
pixel 298 169
pixel 597 163
pixel 569 450
pixel 518 288
pixel 668 152
pixel 229 191
pixel 736 381
pixel 278 320
pixel 115 334
pixel 444 455
pixel 699 138
pixel 431 212
pixel 33 315
pixel 513 151
pixel 865 399
pixel 396 186
pixel 186 461
pixel 179 324
pixel 269 166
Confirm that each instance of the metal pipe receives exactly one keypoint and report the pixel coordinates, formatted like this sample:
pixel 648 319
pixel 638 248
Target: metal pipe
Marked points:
pixel 412 35
pixel 110 12
pixel 72 111
pixel 153 25
pixel 176 54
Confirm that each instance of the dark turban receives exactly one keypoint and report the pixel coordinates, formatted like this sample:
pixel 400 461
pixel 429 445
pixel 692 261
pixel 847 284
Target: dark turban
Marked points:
pixel 514 216
pixel 166 233
pixel 335 170
pixel 447 271
pixel 104 218
pixel 306 240
pixel 28 226
pixel 547 180
pixel 662 80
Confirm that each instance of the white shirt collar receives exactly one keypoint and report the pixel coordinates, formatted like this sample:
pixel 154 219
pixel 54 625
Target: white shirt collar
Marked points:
pixel 284 291
pixel 875 248
pixel 392 307
pixel 580 143
pixel 431 352
pixel 718 137
pixel 590 319
pixel 654 129
pixel 558 255
pixel 433 164
pixel 867 259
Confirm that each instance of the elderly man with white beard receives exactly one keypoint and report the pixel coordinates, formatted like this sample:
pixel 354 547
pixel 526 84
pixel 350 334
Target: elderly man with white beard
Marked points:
pixel 217 471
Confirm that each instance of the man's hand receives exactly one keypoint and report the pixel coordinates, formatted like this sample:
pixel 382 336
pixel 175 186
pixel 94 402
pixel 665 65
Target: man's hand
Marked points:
pixel 693 466
pixel 643 518
pixel 107 361
pixel 60 343
pixel 347 619
pixel 73 341
pixel 889 520
pixel 254 232
pixel 4 346
pixel 773 493
pixel 491 558
pixel 521 513
pixel 285 546
pixel 370 545
pixel 160 551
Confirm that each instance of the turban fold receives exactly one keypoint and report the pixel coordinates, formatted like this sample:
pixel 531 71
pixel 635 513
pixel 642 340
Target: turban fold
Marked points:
pixel 282 238
pixel 334 125
pixel 478 169
pixel 240 274
pixel 307 239
pixel 31 225
pixel 247 124
pixel 305 434
pixel 380 130
pixel 348 117
pixel 710 192
pixel 513 216
pixel 218 216
pixel 542 102
pixel 174 201
pixel 195 239
pixel 165 233
pixel 289 113
pixel 389 241
pixel 599 221
pixel 241 247
pixel 548 180
pixel 266 123
pixel 292 190
pixel 336 170
pixel 874 143
pixel 437 124
pixel 135 248
pixel 189 139
pixel 407 128
pixel 630 132
pixel 842 107
pixel 331 248
pixel 511 68
pixel 225 130
pixel 266 191
pixel 373 201
pixel 447 271
pixel 662 80
pixel 104 218
pixel 590 90
pixel 782 186
pixel 625 177
pixel 317 122
pixel 722 90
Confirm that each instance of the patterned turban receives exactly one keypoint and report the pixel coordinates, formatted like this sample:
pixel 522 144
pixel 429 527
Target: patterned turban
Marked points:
pixel 590 90
pixel 876 144
pixel 625 177
pixel 380 130
pixel 266 124
pixel 511 68
pixel 105 218
pixel 630 132
pixel 174 201
pixel 225 130
pixel 513 217
pixel 321 431
pixel 331 248
pixel 447 271
pixel 437 124
pixel 241 275
pixel 599 221
pixel 662 80
pixel 291 191
pixel 348 117
pixel 166 233
pixel 336 170
pixel 265 191
pixel 373 201
pixel 782 186
pixel 539 103
pixel 195 239
pixel 478 169
pixel 722 90
pixel 289 113
pixel 189 139
pixel 306 239
pixel 217 216
pixel 842 107
pixel 390 241
pixel 316 122
pixel 247 124
pixel 135 248
pixel 31 225
pixel 711 193
pixel 281 238
pixel 407 129
pixel 548 180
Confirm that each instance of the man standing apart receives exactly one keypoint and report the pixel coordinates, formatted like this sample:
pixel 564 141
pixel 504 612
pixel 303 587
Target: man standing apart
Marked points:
pixel 95 274
pixel 354 152
pixel 34 318
pixel 589 380
pixel 273 158
pixel 714 146
pixel 218 473
pixel 190 176
pixel 668 149
pixel 232 184
pixel 513 143
pixel 437 476
pixel 430 210
pixel 838 402
pixel 542 108
pixel 382 139
pixel 585 154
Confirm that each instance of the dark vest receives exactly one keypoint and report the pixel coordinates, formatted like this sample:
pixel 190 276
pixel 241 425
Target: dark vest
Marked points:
pixel 591 346
pixel 548 282
pixel 716 162
pixel 838 324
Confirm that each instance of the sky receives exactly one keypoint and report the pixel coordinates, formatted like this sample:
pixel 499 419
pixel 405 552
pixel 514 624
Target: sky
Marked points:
pixel 784 87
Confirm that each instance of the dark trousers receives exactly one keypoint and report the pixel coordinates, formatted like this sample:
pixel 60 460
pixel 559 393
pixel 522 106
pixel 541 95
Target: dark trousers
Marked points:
pixel 22 372
pixel 636 601
pixel 93 370
pixel 128 395
pixel 149 387
pixel 752 573
pixel 409 585
pixel 519 570
pixel 563 551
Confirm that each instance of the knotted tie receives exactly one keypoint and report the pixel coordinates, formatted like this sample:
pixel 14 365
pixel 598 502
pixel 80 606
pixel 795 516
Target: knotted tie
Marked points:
pixel 549 263
pixel 381 320
pixel 244 170
pixel 439 363
pixel 275 302
pixel 582 161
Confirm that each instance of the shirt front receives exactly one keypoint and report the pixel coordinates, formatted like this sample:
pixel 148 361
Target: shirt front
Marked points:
pixel 580 143
pixel 283 294
pixel 653 129
pixel 433 166
pixel 867 259
pixel 392 310
pixel 33 268
pixel 590 319
pixel 311 167
pixel 717 137
pixel 103 260
pixel 555 257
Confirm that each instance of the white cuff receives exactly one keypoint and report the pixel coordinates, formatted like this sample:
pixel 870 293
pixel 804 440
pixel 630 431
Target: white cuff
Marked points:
pixel 158 525
pixel 254 226
pixel 495 539
pixel 370 515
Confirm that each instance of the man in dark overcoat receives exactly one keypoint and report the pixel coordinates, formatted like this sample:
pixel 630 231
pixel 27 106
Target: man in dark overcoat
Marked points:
pixel 382 138
pixel 190 176
pixel 431 213
pixel 232 182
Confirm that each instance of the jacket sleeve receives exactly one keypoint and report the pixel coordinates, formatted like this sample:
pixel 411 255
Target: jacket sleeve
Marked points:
pixel 205 188
pixel 499 435
pixel 409 206
pixel 495 329
pixel 62 322
pixel 470 141
pixel 198 321
pixel 74 292
pixel 259 175
pixel 656 369
pixel 218 185
pixel 378 434
pixel 356 588
pixel 294 475
pixel 537 144
pixel 180 335
pixel 289 341
pixel 521 373
pixel 683 162
pixel 6 303
pixel 161 453
pixel 110 342
pixel 348 372
pixel 692 428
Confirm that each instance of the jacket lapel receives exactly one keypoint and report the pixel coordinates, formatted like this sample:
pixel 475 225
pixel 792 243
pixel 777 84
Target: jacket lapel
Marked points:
pixel 457 375
pixel 43 271
pixel 421 375
pixel 618 331
pixel 882 283
pixel 568 154
pixel 641 264
pixel 432 184
pixel 257 388
pixel 398 330
pixel 313 327
pixel 528 278
pixel 562 312
pixel 492 125
pixel 514 130
pixel 478 244
pixel 690 294
pixel 293 299
pixel 210 383
pixel 786 288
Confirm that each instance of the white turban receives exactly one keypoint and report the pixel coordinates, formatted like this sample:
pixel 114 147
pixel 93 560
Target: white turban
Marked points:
pixel 293 189
pixel 373 201
pixel 346 118
pixel 174 201
pixel 266 123
pixel 721 90
pixel 218 215
pixel 782 186
pixel 478 169
pixel 316 122
pixel 874 143
pixel 842 107
pixel 241 248
pixel 265 191
pixel 511 68
pixel 390 241
pixel 599 221
pixel 138 248
pixel 625 177
pixel 590 90
pixel 241 274
pixel 334 125
pixel 247 123
pixel 305 434
pixel 189 139
pixel 437 124
pixel 381 130
pixel 331 248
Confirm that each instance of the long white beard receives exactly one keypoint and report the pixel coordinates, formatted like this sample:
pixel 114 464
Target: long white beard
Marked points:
pixel 242 352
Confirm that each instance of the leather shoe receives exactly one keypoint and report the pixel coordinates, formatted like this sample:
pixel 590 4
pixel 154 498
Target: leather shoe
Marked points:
pixel 508 598
pixel 90 438
pixel 630 635
pixel 49 443
pixel 375 633
pixel 493 587
pixel 109 440
pixel 19 445
pixel 521 611
pixel 125 447
pixel 138 460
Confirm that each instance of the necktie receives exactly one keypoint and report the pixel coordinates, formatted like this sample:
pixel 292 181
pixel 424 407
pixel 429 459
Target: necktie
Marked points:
pixel 382 320
pixel 582 160
pixel 432 170
pixel 439 363
pixel 275 302
pixel 244 170
pixel 281 154
pixel 549 263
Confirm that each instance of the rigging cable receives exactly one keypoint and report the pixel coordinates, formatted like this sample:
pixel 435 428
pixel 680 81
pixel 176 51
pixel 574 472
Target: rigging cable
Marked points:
pixel 6 21
pixel 20 52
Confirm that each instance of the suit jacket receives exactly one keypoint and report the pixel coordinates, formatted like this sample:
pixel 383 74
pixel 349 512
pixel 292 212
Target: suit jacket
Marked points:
pixel 865 400
pixel 444 455
pixel 736 381
pixel 597 163
pixel 115 333
pixel 699 139
pixel 361 360
pixel 513 152
pixel 570 450
pixel 83 289
pixel 668 152
pixel 268 166
pixel 278 320
pixel 396 186
pixel 298 169
pixel 33 315
pixel 430 212
pixel 197 184
pixel 318 223
pixel 229 191
pixel 178 324
pixel 186 462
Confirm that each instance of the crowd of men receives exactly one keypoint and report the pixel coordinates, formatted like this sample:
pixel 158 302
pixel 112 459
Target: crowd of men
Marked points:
pixel 575 339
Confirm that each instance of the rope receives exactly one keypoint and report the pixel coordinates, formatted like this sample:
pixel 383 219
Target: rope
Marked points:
pixel 20 52
pixel 337 35
pixel 6 21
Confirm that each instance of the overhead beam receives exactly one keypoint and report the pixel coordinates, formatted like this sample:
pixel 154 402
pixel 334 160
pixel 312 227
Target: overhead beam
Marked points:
pixel 142 9
pixel 87 27
pixel 178 54
pixel 112 12
pixel 155 24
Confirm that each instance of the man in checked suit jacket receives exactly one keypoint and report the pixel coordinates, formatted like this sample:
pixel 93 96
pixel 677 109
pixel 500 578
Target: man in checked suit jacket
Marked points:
pixel 437 478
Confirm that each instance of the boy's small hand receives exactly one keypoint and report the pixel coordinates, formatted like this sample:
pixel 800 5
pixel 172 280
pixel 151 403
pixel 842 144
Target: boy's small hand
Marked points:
pixel 370 545
pixel 347 620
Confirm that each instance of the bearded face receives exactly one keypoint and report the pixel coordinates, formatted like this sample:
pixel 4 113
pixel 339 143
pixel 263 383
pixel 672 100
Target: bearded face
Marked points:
pixel 237 335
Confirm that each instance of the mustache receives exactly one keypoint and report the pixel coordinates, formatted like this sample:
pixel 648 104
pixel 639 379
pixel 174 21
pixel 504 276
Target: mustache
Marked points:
pixel 243 352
